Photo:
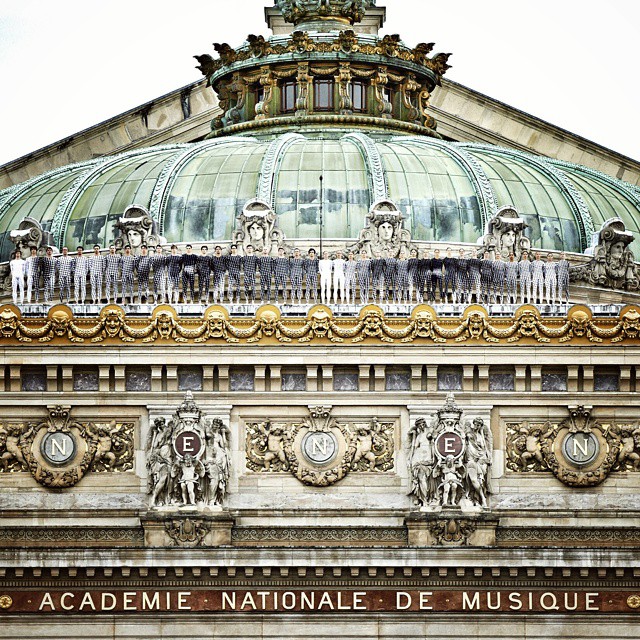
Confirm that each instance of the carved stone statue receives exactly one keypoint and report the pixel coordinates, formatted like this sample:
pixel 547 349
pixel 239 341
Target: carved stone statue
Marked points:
pixel 613 263
pixel 137 227
pixel 257 225
pixel 504 234
pixel 384 231
pixel 450 459
pixel 30 235
pixel 188 459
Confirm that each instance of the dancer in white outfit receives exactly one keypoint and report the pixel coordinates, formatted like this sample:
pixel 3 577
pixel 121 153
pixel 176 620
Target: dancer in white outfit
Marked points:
pixel 324 267
pixel 339 280
pixel 17 266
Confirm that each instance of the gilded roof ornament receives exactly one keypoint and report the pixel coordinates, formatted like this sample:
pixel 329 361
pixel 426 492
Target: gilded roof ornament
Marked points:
pixel 297 11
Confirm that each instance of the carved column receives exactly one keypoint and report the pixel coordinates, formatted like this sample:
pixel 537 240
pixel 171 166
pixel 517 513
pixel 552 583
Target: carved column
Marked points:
pixel 267 81
pixel 380 82
pixel 304 81
pixel 343 80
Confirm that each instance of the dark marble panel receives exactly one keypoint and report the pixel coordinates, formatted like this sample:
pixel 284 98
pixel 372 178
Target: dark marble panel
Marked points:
pixel 554 382
pixel 502 382
pixel 397 382
pixel 345 382
pixel 241 381
pixel 138 381
pixel 85 381
pixel 294 382
pixel 35 381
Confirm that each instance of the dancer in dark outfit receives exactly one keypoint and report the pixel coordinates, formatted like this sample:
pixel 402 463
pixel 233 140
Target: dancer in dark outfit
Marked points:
pixel 498 278
pixel 281 271
pixel 159 266
pixel 250 267
pixel 524 271
pixel 234 267
pixel 112 265
pixel 64 267
pixel 189 261
pixel 311 276
pixel 203 269
pixel 462 283
pixel 363 269
pixel 436 275
pixel 377 274
pixel 128 269
pixel 390 278
pixel 486 273
pixel 48 275
pixel 402 279
pixel 219 267
pixel 563 279
pixel 512 280
pixel 424 277
pixel 474 266
pixel 143 268
pixel 450 265
pixel 265 269
pixel 296 272
pixel 174 266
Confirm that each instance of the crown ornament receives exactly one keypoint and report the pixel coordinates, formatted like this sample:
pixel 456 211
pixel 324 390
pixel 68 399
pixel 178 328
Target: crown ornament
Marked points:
pixel 347 11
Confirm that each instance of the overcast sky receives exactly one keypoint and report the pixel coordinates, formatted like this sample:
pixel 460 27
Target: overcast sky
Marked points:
pixel 68 64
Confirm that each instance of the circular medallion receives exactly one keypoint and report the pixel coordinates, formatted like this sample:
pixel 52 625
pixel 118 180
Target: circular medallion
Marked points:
pixel 5 602
pixel 580 448
pixel 58 448
pixel 188 443
pixel 449 443
pixel 319 447
pixel 633 602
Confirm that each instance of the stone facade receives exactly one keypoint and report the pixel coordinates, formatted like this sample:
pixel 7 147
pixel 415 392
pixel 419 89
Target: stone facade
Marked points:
pixel 249 472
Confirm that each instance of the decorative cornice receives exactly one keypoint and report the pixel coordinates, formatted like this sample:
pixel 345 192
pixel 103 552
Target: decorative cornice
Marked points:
pixel 370 326
pixel 20 537
pixel 312 536
pixel 575 536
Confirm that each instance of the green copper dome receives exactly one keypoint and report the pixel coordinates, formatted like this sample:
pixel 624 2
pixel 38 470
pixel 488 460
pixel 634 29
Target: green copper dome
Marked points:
pixel 447 191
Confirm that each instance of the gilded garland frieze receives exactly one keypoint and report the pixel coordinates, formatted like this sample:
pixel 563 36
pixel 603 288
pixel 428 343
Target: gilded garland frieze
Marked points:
pixel 319 450
pixel 301 42
pixel 423 326
pixel 580 451
pixel 58 450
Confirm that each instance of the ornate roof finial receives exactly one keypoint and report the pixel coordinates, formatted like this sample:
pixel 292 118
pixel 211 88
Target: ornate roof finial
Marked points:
pixel 344 11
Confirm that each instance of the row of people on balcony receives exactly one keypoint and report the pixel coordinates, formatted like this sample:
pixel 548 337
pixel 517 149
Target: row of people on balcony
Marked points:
pixel 382 279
